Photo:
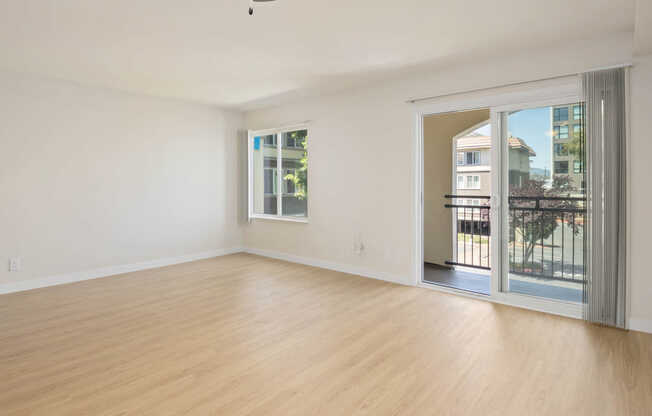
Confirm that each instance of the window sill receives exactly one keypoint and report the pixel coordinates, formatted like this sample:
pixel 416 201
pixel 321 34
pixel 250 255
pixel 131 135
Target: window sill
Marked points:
pixel 301 220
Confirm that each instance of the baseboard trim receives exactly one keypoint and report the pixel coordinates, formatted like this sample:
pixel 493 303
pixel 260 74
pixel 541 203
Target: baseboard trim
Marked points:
pixel 328 265
pixel 61 279
pixel 641 325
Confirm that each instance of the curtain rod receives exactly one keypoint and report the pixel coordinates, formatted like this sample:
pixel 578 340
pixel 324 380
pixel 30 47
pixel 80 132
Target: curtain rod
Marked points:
pixel 512 84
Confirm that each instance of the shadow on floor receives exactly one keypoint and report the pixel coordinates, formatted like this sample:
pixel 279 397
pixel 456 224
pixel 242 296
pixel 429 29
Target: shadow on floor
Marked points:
pixel 457 279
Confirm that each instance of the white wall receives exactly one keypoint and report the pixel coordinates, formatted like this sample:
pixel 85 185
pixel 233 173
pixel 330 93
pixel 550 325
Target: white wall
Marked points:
pixel 362 154
pixel 93 178
pixel 640 284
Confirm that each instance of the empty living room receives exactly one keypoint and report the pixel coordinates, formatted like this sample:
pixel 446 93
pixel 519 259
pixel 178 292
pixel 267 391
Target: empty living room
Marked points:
pixel 290 207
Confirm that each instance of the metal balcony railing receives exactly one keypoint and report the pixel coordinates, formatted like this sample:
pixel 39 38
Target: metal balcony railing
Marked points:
pixel 547 238
pixel 546 235
pixel 472 230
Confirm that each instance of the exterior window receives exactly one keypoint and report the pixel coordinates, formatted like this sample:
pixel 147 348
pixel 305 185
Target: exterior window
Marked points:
pixel 561 132
pixel 468 158
pixel 560 114
pixel 270 181
pixel 288 184
pixel 577 166
pixel 577 130
pixel 561 166
pixel 294 142
pixel 278 174
pixel 472 158
pixel 578 112
pixel 561 149
pixel 468 182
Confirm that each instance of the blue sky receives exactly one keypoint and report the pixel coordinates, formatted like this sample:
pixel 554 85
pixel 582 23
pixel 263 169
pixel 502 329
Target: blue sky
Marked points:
pixel 533 126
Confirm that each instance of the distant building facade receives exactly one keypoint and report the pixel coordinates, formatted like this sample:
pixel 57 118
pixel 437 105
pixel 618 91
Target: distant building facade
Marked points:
pixel 473 166
pixel 567 151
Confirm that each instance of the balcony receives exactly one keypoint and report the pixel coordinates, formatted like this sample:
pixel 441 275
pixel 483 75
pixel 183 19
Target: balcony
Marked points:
pixel 545 250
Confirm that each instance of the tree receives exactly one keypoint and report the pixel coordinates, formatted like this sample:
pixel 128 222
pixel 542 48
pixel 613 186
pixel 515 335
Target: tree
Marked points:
pixel 529 218
pixel 300 175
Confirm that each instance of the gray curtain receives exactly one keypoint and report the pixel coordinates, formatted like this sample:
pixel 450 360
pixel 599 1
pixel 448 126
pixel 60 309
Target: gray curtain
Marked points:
pixel 604 291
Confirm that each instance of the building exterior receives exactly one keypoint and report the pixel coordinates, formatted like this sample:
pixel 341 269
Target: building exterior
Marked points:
pixel 473 166
pixel 473 177
pixel 567 151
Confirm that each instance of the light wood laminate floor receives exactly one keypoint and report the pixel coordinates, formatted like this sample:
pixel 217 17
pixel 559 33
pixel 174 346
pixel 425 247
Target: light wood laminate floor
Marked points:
pixel 241 335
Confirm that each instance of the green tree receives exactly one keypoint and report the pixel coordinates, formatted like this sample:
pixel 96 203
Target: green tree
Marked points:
pixel 300 175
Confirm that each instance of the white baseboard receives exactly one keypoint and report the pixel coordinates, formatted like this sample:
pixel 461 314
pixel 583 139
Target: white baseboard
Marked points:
pixel 328 265
pixel 642 325
pixel 110 271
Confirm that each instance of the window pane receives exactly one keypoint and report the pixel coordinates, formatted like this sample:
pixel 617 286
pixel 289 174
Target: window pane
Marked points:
pixel 264 160
pixel 561 167
pixel 563 132
pixel 460 158
pixel 545 213
pixel 295 173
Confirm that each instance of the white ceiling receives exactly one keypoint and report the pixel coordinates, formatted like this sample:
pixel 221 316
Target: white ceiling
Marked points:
pixel 212 51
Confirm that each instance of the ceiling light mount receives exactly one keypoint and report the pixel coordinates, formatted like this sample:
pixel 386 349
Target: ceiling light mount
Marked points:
pixel 251 5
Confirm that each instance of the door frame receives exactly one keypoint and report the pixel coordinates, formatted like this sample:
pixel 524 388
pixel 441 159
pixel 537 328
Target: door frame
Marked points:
pixel 496 100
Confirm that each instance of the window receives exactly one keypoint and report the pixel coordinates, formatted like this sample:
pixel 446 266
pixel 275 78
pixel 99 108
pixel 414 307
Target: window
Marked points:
pixel 288 184
pixel 577 130
pixel 278 165
pixel 561 132
pixel 560 114
pixel 468 158
pixel 294 141
pixel 270 181
pixel 578 112
pixel 577 166
pixel 561 149
pixel 472 158
pixel 561 167
pixel 468 182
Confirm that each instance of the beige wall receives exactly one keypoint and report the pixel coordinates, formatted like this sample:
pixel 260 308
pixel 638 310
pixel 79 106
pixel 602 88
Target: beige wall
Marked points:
pixel 438 133
pixel 93 178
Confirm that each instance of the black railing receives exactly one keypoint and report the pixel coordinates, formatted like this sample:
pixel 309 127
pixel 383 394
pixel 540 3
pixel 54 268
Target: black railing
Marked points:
pixel 547 238
pixel 472 231
pixel 546 235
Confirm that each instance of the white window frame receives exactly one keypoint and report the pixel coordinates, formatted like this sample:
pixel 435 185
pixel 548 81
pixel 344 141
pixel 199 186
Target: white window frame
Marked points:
pixel 279 178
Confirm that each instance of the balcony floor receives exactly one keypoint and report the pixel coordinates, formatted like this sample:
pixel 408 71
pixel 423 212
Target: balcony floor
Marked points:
pixel 479 282
pixel 457 279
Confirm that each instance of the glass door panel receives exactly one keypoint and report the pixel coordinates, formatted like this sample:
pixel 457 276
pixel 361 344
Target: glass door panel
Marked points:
pixel 545 214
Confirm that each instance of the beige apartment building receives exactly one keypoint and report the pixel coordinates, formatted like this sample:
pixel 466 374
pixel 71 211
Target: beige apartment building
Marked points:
pixel 473 166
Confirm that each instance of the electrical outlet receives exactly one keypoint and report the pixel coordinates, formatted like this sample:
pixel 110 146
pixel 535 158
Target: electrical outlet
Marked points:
pixel 14 264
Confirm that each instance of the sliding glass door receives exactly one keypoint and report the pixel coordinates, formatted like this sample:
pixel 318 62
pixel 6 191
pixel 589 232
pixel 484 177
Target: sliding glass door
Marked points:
pixel 543 215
